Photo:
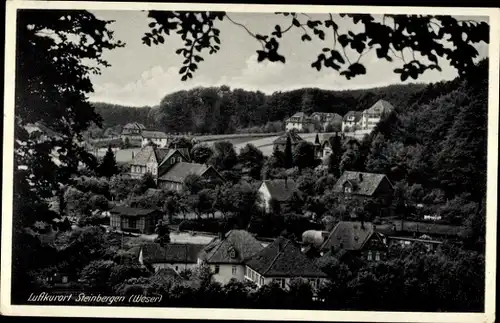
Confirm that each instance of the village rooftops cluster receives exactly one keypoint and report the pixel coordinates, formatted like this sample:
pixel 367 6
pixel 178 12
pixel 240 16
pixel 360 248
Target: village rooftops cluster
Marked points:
pixel 352 121
pixel 237 255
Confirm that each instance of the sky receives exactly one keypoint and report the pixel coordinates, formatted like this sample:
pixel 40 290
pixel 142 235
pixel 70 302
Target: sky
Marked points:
pixel 141 76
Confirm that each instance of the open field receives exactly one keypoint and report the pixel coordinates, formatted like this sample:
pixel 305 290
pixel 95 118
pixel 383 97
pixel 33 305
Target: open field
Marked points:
pixel 262 141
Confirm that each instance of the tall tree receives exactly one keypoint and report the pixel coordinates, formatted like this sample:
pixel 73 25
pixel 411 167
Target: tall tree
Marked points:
pixel 224 157
pixel 304 156
pixel 252 159
pixel 55 55
pixel 108 166
pixel 201 153
pixel 288 153
pixel 336 155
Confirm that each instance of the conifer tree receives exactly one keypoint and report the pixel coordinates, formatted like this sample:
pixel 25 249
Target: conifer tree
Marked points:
pixel 288 153
pixel 108 165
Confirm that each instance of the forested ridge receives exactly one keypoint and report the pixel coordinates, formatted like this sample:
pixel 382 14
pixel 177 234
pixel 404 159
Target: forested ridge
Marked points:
pixel 220 110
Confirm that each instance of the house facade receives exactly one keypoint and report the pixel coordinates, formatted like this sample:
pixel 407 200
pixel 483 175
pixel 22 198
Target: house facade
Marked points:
pixel 366 187
pixel 299 122
pixel 154 160
pixel 352 121
pixel 226 255
pixel 158 138
pixel 279 190
pixel 132 131
pixel 356 238
pixel 372 116
pixel 366 120
pixel 281 262
pixel 176 256
pixel 135 220
pixel 174 177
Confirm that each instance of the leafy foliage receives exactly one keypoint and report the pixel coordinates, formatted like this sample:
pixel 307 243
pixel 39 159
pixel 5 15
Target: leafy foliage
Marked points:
pixel 391 36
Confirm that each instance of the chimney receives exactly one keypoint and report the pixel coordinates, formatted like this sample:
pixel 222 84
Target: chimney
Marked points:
pixel 286 181
pixel 221 235
pixel 362 224
pixel 360 177
pixel 132 155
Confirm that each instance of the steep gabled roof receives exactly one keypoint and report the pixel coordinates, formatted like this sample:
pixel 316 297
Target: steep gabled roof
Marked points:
pixel 131 211
pixel 283 258
pixel 365 183
pixel 380 107
pixel 348 235
pixel 171 253
pixel 356 114
pixel 294 138
pixel 235 247
pixel 134 125
pixel 280 189
pixel 179 171
pixel 142 157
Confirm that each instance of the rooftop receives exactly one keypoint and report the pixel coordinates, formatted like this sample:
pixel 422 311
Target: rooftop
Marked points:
pixel 131 211
pixel 294 138
pixel 283 258
pixel 235 247
pixel 348 235
pixel 356 114
pixel 363 183
pixel 380 107
pixel 178 172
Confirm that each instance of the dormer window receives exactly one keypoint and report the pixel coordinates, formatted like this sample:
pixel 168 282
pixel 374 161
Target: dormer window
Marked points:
pixel 348 189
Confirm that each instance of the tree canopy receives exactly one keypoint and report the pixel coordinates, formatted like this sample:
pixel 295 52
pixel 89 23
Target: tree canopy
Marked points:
pixel 421 37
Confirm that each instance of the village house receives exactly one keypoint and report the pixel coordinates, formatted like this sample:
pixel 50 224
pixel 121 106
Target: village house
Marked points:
pixel 326 119
pixel 355 238
pixel 158 138
pixel 367 187
pixel 174 177
pixel 154 160
pixel 177 256
pixel 226 255
pixel 300 122
pixel 281 262
pixel 132 131
pixel 279 190
pixel 280 142
pixel 326 144
pixel 372 116
pixel 135 220
pixel 351 121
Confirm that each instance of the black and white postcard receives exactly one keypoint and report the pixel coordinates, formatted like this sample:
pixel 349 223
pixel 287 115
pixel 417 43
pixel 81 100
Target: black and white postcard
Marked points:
pixel 277 162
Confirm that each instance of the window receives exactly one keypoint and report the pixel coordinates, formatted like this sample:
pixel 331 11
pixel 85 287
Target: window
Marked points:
pixel 369 256
pixel 216 269
pixel 347 189
pixel 132 223
pixel 234 270
pixel 280 281
pixel 377 256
